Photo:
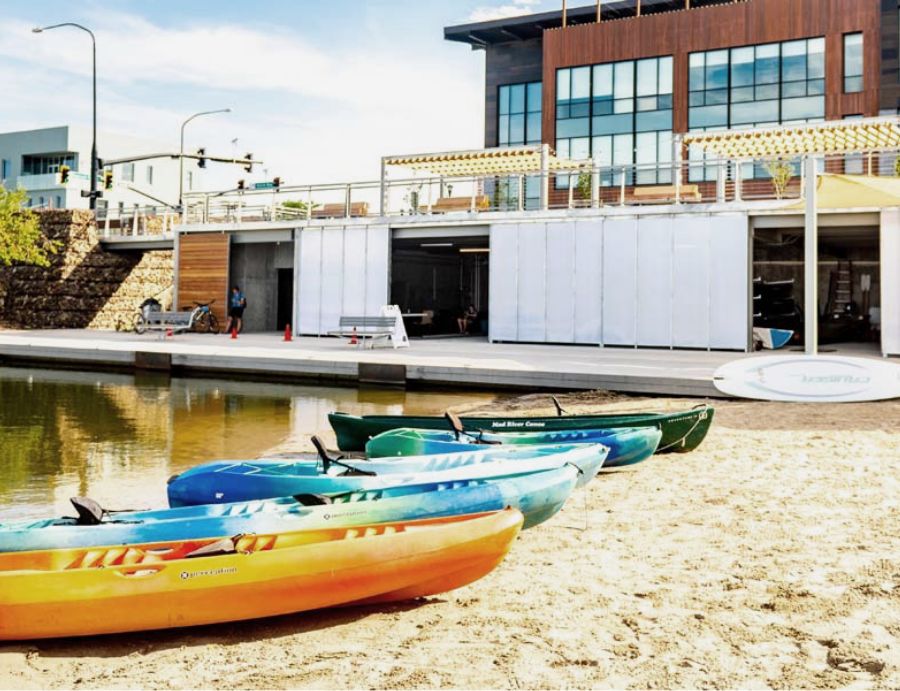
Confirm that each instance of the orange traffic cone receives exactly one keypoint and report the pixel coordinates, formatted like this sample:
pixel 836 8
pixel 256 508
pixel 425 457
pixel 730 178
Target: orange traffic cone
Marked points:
pixel 353 339
pixel 288 336
pixel 233 333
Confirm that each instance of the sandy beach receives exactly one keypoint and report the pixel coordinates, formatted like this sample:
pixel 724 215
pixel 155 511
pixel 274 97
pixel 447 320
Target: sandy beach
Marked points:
pixel 768 558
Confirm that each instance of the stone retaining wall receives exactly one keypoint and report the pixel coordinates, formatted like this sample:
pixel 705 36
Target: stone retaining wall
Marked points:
pixel 85 286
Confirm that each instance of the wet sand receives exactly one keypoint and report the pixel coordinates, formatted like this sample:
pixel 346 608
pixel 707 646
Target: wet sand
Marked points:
pixel 768 558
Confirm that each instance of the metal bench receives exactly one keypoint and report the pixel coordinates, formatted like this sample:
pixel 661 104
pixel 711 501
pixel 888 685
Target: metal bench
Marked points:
pixel 163 321
pixel 372 328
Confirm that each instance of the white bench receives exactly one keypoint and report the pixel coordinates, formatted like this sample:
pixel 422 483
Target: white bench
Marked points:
pixel 389 327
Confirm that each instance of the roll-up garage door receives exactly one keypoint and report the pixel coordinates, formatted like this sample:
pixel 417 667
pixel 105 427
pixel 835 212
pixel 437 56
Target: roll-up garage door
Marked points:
pixel 657 281
pixel 342 271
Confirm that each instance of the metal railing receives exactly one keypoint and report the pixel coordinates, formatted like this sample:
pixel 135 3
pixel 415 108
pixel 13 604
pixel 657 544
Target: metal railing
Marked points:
pixel 137 221
pixel 708 181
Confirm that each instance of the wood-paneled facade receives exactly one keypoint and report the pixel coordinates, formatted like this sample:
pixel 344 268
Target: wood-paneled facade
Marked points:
pixel 515 55
pixel 890 55
pixel 203 260
pixel 748 22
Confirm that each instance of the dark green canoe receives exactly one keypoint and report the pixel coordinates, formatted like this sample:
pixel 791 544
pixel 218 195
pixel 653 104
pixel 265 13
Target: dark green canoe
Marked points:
pixel 681 432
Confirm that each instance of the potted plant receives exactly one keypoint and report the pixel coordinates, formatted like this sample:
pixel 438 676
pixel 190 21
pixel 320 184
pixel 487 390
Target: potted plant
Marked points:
pixel 781 173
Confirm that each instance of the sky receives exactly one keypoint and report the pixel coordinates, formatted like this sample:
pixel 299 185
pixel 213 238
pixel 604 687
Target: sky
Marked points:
pixel 319 89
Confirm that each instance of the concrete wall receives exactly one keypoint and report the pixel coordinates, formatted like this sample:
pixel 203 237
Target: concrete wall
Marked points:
pixel 254 267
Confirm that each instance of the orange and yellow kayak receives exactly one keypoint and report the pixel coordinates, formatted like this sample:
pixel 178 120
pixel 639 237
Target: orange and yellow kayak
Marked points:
pixel 80 592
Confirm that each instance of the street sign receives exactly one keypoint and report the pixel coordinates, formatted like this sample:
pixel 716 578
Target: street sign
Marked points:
pixel 264 185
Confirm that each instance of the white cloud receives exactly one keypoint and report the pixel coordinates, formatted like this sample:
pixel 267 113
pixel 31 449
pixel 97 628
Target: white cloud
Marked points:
pixel 517 8
pixel 312 115
pixel 132 50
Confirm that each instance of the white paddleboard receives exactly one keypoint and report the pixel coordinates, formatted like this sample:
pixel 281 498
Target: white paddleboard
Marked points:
pixel 810 378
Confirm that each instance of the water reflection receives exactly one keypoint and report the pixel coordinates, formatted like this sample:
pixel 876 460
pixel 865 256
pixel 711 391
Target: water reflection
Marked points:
pixel 118 437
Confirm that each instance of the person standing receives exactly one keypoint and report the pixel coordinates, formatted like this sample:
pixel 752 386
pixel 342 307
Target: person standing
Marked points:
pixel 236 305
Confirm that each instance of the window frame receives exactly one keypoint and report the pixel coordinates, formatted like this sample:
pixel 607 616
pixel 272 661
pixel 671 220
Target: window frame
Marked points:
pixel 527 138
pixel 617 96
pixel 853 83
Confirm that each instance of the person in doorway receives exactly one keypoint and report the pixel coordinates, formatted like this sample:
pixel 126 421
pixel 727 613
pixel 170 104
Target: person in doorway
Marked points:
pixel 236 305
pixel 466 319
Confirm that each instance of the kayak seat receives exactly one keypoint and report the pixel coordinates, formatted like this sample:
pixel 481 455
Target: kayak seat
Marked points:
pixel 313 499
pixel 89 511
pixel 213 549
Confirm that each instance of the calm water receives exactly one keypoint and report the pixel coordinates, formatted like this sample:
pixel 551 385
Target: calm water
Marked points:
pixel 117 438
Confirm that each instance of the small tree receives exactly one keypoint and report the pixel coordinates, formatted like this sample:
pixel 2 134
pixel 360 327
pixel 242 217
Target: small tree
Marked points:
pixel 583 186
pixel 897 166
pixel 21 239
pixel 781 173
pixel 300 206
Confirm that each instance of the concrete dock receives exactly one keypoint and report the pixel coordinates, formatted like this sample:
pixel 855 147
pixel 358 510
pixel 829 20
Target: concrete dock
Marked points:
pixel 462 362
pixel 466 362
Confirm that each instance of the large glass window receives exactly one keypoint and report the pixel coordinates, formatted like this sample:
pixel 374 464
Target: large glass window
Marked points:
pixel 853 63
pixel 518 124
pixel 758 85
pixel 519 114
pixel 44 165
pixel 750 86
pixel 618 113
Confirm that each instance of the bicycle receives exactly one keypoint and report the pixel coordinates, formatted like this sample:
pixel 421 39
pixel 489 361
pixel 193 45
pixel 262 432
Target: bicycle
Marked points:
pixel 202 318
pixel 142 318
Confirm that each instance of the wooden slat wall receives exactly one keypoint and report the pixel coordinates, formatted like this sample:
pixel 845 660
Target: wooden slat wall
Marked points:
pixel 203 271
pixel 745 22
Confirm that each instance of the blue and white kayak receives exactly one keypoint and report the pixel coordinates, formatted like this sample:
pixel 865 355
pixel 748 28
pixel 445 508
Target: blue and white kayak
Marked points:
pixel 537 495
pixel 232 481
pixel 772 339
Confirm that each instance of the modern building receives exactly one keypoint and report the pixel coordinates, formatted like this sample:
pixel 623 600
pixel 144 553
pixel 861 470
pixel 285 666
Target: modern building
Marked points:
pixel 669 176
pixel 617 89
pixel 32 159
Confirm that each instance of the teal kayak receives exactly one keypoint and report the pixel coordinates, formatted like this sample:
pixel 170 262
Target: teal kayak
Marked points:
pixel 627 445
pixel 537 495
pixel 234 481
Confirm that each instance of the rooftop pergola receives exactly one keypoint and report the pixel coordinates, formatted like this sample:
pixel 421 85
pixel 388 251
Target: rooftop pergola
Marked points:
pixel 520 160
pixel 819 139
pixel 812 142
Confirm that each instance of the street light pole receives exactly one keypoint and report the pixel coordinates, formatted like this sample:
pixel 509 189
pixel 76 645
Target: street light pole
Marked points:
pixel 38 30
pixel 181 150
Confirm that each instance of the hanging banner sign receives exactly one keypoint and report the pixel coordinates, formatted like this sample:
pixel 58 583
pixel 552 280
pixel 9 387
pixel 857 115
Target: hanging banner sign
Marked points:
pixel 810 378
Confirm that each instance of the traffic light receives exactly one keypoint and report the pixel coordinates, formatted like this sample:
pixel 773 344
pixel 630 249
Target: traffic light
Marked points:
pixel 277 183
pixel 64 174
pixel 249 159
pixel 201 162
pixel 107 179
pixel 242 185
